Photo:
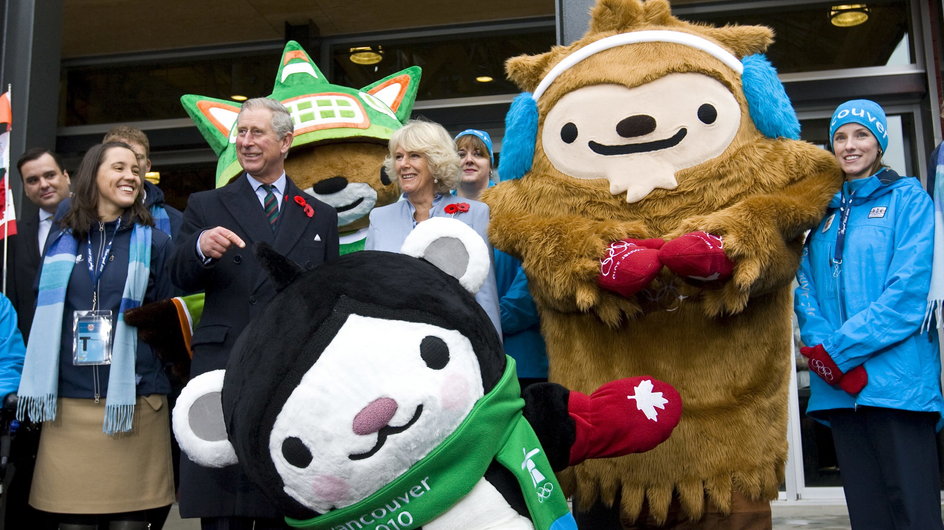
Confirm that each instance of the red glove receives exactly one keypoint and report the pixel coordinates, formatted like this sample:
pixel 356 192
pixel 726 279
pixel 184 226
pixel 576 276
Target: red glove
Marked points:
pixel 823 365
pixel 629 265
pixel 625 416
pixel 697 256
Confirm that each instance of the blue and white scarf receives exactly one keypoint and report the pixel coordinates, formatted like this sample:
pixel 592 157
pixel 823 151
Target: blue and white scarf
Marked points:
pixel 936 293
pixel 40 381
pixel 161 219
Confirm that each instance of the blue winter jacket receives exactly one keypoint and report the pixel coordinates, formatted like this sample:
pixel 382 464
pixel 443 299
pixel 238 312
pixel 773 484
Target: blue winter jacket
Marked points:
pixel 81 381
pixel 867 307
pixel 12 350
pixel 521 327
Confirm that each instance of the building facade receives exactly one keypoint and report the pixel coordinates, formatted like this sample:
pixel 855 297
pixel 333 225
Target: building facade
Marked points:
pixel 77 68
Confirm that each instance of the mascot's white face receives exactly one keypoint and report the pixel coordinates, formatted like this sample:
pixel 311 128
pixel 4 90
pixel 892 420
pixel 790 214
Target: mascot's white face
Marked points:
pixel 353 202
pixel 383 394
pixel 638 138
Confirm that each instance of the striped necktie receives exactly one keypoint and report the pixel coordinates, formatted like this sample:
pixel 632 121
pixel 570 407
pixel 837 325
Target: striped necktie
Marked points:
pixel 271 205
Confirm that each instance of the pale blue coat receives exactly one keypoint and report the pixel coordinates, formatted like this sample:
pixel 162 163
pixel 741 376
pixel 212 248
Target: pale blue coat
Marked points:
pixel 389 226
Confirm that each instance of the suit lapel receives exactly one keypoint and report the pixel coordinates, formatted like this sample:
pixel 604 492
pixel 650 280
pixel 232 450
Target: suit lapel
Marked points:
pixel 241 202
pixel 30 235
pixel 293 220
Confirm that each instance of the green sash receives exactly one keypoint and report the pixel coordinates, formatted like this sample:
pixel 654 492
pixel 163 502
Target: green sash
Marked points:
pixel 494 430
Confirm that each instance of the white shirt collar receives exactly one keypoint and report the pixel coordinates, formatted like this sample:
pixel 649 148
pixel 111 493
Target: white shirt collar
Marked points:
pixel 279 183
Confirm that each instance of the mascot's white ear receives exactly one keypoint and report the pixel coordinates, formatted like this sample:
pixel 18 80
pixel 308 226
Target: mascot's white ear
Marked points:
pixel 452 246
pixel 198 422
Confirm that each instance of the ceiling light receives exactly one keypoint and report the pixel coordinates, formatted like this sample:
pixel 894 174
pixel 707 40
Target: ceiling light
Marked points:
pixel 848 15
pixel 366 55
pixel 237 97
pixel 484 79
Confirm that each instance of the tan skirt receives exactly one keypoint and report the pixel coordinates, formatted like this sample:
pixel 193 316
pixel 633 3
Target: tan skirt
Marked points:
pixel 80 469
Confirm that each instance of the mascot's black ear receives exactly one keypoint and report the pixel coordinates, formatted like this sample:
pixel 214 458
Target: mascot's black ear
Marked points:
pixel 452 246
pixel 282 270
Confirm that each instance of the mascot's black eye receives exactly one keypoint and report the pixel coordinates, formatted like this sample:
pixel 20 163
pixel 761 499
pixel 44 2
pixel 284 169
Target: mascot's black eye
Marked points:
pixel 295 452
pixel 569 133
pixel 384 178
pixel 707 113
pixel 435 352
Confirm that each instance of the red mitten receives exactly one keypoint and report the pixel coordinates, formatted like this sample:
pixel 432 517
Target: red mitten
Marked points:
pixel 625 416
pixel 629 265
pixel 822 364
pixel 854 380
pixel 697 256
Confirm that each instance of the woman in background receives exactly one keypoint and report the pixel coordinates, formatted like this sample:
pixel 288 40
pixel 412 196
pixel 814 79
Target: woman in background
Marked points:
pixel 476 163
pixel 861 300
pixel 520 324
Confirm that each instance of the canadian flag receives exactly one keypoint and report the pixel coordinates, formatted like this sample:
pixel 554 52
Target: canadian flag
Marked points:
pixel 8 221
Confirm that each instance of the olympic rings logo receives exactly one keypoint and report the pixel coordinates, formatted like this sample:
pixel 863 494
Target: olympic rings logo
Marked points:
pixel 544 491
pixel 820 368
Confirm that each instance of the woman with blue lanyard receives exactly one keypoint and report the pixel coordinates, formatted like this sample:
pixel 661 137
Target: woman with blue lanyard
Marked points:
pixel 104 453
pixel 861 300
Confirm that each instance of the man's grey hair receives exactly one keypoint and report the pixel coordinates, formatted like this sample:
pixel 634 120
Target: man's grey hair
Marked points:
pixel 282 122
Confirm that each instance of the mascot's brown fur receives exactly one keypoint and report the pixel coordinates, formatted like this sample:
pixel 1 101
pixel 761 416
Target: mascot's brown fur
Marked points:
pixel 354 162
pixel 726 349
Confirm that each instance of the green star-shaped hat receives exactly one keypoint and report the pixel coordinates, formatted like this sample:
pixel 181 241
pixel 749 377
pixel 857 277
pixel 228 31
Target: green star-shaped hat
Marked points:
pixel 322 112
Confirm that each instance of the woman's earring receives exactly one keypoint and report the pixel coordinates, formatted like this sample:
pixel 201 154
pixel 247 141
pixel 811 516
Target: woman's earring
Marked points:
pixel 435 181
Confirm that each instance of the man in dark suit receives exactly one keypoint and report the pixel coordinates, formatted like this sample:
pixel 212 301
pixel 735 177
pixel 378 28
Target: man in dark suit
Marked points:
pixel 45 184
pixel 214 254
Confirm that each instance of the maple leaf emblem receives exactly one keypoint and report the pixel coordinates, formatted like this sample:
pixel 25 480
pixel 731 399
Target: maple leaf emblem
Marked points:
pixel 648 401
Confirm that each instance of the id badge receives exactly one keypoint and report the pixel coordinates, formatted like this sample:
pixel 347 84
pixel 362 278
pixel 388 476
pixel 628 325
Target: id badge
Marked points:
pixel 92 344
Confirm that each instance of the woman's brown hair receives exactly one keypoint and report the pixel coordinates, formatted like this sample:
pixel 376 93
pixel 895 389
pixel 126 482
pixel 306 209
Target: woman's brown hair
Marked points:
pixel 83 211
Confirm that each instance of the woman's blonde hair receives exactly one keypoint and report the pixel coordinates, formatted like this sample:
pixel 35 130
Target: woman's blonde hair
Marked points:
pixel 431 140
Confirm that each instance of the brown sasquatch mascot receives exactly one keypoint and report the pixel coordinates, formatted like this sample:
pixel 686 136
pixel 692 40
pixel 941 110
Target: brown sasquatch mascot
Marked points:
pixel 658 200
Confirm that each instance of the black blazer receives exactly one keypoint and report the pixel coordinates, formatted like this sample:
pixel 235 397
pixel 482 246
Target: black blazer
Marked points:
pixel 237 289
pixel 24 261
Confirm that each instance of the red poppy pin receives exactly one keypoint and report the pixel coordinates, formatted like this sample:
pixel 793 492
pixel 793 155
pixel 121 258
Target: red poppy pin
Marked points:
pixel 459 207
pixel 309 211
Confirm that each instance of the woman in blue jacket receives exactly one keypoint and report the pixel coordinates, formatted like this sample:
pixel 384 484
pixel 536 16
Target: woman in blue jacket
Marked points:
pixel 861 300
pixel 520 323
pixel 104 452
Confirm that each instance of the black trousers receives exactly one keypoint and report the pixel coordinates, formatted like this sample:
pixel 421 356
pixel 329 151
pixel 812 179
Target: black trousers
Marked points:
pixel 889 467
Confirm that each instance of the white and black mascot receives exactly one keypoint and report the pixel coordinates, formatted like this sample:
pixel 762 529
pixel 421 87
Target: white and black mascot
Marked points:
pixel 373 393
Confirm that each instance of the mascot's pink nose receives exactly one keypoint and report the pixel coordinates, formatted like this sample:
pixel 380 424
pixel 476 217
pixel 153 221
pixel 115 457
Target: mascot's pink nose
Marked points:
pixel 375 416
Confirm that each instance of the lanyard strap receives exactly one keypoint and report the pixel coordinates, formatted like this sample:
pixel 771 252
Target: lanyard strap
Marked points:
pixel 845 209
pixel 885 176
pixel 96 271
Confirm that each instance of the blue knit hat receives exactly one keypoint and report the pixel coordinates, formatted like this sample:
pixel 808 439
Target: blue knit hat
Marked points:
pixel 481 135
pixel 864 112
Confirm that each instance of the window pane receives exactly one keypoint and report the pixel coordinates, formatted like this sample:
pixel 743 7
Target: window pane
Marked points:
pixel 115 93
pixel 450 63
pixel 805 40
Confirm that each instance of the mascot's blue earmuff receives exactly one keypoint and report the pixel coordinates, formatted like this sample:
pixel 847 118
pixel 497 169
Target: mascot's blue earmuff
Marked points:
pixel 521 131
pixel 771 110
pixel 767 101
